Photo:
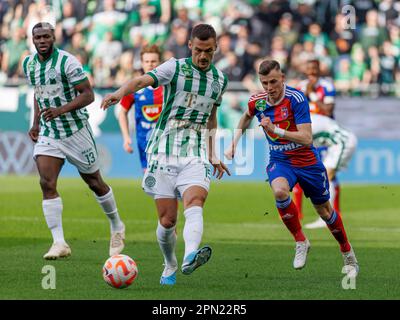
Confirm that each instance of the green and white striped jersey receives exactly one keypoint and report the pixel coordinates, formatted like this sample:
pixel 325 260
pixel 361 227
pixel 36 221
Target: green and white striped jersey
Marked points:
pixel 327 132
pixel 53 81
pixel 190 95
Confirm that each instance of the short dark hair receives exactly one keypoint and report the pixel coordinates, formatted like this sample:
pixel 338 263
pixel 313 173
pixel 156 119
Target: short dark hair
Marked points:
pixel 150 49
pixel 43 25
pixel 203 32
pixel 267 66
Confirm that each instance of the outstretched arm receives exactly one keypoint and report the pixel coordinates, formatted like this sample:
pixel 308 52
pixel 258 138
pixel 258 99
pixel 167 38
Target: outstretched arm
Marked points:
pixel 216 163
pixel 129 87
pixel 243 125
pixel 124 126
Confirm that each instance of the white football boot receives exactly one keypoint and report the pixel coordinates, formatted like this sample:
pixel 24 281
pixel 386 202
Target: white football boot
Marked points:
pixel 117 243
pixel 168 276
pixel 350 263
pixel 319 223
pixel 58 250
pixel 300 258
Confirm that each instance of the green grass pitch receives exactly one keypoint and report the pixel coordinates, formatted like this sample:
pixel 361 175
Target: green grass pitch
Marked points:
pixel 252 250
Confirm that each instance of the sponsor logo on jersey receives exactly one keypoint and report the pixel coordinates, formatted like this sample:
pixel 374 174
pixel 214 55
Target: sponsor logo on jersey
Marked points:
pixel 187 70
pixel 261 104
pixel 215 86
pixel 151 112
pixel 147 125
pixel 274 136
pixel 284 147
pixel 52 73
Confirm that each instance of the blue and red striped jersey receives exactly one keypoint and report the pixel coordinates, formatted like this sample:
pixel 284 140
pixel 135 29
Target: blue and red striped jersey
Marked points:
pixel 324 91
pixel 291 110
pixel 148 106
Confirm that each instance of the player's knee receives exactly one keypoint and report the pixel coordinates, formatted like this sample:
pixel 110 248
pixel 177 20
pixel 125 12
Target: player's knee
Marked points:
pixel 98 187
pixel 194 200
pixel 281 194
pixel 167 221
pixel 48 185
pixel 324 210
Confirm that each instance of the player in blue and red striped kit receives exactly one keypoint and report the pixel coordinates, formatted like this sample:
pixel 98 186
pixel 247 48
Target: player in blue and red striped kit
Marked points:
pixel 284 115
pixel 320 93
pixel 148 105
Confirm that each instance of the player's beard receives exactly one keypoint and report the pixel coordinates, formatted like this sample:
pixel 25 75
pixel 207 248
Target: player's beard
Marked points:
pixel 205 63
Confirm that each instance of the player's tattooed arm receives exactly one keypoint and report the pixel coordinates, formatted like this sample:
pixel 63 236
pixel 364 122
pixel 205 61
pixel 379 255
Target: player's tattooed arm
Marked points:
pixel 83 99
pixel 131 86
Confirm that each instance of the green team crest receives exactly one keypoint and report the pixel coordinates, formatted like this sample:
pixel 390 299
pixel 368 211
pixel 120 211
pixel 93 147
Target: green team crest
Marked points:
pixel 32 65
pixel 187 70
pixel 215 86
pixel 150 181
pixel 261 105
pixel 52 73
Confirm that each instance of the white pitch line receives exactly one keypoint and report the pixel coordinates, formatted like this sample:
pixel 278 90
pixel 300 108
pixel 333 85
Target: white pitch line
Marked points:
pixel 147 222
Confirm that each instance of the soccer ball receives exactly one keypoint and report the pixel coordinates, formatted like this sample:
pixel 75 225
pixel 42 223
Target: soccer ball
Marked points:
pixel 120 271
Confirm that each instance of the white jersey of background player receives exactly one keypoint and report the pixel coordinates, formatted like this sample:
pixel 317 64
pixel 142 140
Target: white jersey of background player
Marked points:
pixel 340 143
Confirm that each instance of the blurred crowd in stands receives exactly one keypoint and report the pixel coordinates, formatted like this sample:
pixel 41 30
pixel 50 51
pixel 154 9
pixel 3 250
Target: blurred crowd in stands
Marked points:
pixel 360 53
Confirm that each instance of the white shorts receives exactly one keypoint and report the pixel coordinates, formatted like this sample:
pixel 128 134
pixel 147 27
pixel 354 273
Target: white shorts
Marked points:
pixel 170 177
pixel 79 149
pixel 337 157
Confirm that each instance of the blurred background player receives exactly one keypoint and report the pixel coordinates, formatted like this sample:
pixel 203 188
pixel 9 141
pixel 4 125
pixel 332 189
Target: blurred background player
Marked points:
pixel 61 131
pixel 320 93
pixel 339 145
pixel 284 114
pixel 148 105
pixel 182 146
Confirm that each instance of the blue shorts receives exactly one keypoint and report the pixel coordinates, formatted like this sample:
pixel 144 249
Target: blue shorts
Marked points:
pixel 312 179
pixel 322 151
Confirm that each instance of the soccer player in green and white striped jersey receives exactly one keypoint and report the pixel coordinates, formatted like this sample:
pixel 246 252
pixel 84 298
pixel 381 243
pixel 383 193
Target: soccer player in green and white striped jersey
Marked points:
pixel 61 131
pixel 178 159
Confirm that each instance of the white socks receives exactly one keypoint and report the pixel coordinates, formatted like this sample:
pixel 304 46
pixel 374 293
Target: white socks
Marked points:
pixel 193 230
pixel 167 240
pixel 107 202
pixel 52 209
